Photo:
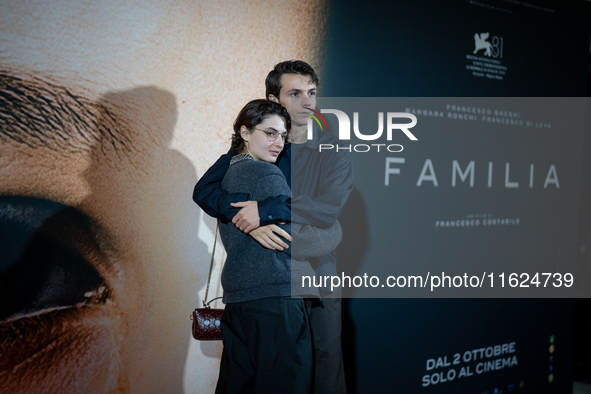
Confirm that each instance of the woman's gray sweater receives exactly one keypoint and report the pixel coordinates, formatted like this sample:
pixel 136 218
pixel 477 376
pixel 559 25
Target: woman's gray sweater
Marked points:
pixel 252 271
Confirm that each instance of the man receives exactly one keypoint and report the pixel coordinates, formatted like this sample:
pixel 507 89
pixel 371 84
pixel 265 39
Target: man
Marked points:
pixel 321 183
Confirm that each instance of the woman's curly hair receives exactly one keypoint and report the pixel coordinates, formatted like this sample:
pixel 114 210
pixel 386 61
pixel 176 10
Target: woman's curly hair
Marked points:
pixel 253 114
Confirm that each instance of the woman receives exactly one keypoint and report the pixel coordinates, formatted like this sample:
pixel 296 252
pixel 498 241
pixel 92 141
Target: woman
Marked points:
pixel 267 344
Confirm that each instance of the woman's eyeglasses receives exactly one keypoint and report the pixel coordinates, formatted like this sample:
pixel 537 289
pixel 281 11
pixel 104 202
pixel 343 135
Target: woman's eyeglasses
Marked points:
pixel 272 134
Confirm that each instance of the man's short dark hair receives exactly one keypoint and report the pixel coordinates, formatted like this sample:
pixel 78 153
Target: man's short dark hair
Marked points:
pixel 273 82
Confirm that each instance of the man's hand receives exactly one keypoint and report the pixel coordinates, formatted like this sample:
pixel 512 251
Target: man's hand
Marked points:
pixel 268 237
pixel 247 219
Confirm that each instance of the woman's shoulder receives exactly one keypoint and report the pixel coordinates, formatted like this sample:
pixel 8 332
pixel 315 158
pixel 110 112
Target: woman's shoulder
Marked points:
pixel 255 168
pixel 259 179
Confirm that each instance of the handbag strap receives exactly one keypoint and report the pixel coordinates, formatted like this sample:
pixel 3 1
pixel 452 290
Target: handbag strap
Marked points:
pixel 205 303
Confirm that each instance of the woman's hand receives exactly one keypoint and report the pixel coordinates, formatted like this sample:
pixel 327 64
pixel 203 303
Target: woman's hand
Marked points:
pixel 268 237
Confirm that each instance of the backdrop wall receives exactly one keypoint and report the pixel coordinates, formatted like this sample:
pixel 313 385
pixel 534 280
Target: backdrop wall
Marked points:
pixel 109 113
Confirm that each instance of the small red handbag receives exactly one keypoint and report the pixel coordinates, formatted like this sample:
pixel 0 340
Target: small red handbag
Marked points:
pixel 207 322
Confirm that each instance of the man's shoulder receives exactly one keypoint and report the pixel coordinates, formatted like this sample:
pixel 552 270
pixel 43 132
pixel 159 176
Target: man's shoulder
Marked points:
pixel 336 156
pixel 327 138
pixel 227 156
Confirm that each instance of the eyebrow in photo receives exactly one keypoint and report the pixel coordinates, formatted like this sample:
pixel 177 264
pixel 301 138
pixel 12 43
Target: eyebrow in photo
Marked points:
pixel 40 114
